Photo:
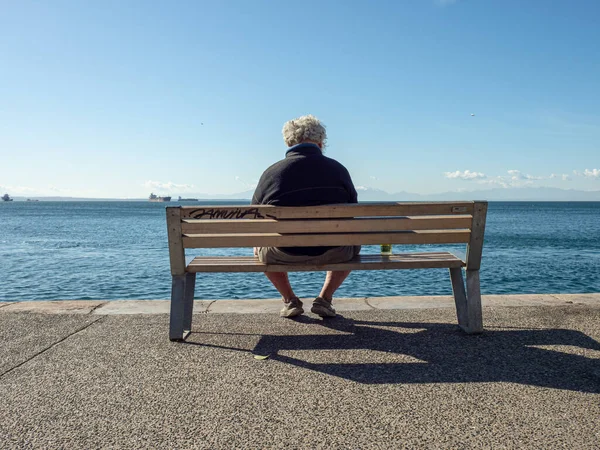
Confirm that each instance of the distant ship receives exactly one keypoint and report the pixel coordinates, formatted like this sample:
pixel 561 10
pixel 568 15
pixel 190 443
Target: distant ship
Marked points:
pixel 187 199
pixel 6 198
pixel 154 198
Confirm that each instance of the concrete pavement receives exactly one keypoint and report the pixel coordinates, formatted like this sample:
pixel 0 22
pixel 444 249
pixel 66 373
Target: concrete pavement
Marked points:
pixel 386 373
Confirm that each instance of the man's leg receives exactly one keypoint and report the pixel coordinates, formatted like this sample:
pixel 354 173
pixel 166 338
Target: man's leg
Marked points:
pixel 333 281
pixel 282 283
pixel 292 306
pixel 322 304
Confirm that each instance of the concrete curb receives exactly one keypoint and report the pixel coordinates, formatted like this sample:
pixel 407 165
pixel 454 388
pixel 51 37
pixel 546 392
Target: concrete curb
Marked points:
pixel 54 306
pixel 269 306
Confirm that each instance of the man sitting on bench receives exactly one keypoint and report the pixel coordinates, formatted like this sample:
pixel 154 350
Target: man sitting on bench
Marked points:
pixel 305 177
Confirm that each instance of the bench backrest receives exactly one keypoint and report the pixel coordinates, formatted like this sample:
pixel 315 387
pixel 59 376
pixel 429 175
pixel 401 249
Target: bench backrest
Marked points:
pixel 355 224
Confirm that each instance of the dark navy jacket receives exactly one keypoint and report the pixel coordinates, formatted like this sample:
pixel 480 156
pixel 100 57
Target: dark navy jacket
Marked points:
pixel 305 177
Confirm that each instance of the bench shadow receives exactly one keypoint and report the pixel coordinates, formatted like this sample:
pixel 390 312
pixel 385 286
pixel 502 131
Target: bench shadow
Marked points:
pixel 444 353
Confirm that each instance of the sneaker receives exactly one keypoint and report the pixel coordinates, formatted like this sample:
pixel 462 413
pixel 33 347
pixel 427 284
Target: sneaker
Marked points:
pixel 292 308
pixel 322 307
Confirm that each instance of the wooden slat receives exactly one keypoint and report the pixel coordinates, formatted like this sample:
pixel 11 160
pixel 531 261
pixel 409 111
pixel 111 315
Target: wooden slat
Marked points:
pixel 243 259
pixel 364 258
pixel 361 262
pixel 307 240
pixel 194 226
pixel 176 251
pixel 475 247
pixel 326 211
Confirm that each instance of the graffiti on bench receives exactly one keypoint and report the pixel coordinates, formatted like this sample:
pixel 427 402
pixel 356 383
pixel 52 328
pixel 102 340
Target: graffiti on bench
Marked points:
pixel 235 213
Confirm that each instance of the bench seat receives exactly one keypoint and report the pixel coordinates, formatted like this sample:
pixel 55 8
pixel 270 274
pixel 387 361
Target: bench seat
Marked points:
pixel 429 260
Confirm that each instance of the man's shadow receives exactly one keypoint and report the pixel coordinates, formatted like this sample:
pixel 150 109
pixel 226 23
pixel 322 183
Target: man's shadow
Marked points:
pixel 447 355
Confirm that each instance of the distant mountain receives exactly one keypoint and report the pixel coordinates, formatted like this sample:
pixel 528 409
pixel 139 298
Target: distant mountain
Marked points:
pixel 498 194
pixel 368 194
pixel 540 194
pixel 242 195
pixel 76 199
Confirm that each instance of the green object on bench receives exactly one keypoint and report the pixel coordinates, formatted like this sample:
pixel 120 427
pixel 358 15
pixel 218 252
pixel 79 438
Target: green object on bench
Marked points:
pixel 327 225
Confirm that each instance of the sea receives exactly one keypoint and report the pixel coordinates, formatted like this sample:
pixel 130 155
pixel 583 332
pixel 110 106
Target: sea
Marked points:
pixel 118 250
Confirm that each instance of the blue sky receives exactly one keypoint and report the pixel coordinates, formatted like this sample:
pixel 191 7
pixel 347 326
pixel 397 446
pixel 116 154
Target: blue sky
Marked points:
pixel 117 99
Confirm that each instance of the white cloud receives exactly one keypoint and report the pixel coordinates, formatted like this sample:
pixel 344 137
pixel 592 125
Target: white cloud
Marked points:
pixel 169 186
pixel 564 176
pixel 517 175
pixel 247 185
pixel 594 173
pixel 498 181
pixel 466 175
pixel 18 190
pixel 47 191
pixel 514 177
pixel 58 190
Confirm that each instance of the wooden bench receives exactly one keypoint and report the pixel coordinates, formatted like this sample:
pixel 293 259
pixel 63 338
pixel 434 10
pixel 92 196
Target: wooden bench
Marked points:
pixel 330 225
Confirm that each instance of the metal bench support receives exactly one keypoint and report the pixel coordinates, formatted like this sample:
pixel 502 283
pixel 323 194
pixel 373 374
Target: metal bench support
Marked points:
pixel 468 302
pixel 182 306
pixel 475 318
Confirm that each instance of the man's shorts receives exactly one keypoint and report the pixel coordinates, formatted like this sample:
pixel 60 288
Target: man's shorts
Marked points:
pixel 272 255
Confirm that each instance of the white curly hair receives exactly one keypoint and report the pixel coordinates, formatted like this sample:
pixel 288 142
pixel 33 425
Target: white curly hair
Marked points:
pixel 302 129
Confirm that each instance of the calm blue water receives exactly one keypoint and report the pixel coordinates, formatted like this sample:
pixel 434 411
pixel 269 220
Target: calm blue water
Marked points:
pixel 118 250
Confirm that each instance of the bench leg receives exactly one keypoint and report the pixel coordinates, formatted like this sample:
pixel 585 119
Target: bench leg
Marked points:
pixel 475 317
pixel 468 303
pixel 188 297
pixel 177 319
pixel 460 297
